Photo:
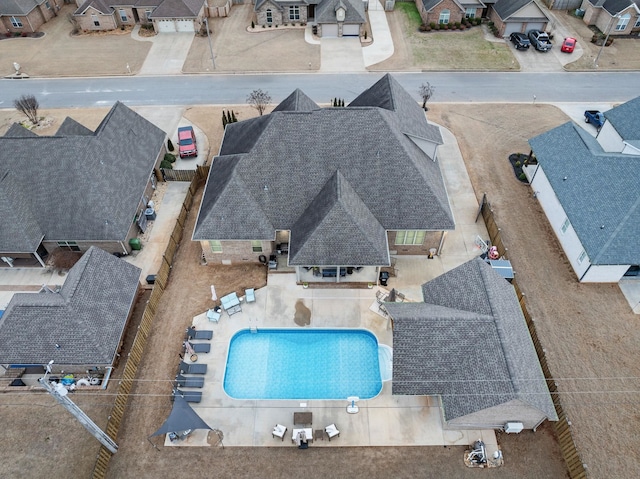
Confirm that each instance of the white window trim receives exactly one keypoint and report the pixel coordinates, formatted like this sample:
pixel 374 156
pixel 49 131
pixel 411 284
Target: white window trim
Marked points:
pixel 256 246
pixel 214 245
pixel 16 23
pixel 565 226
pixel 623 21
pixel 417 234
pixel 445 16
pixel 123 15
pixel 294 12
pixel 582 257
pixel 470 13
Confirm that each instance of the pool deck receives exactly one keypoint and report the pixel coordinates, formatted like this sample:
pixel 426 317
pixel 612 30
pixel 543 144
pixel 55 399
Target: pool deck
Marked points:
pixel 385 420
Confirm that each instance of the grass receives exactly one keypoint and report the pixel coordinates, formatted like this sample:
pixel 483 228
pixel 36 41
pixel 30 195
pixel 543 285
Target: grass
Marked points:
pixel 410 10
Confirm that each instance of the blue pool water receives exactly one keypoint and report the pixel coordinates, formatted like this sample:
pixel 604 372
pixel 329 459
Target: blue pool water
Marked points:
pixel 302 364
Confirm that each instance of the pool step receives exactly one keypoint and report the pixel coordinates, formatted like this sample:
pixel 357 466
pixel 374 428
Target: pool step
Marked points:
pixel 254 329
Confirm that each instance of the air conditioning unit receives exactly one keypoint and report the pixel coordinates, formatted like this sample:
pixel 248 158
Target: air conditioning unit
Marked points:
pixel 513 427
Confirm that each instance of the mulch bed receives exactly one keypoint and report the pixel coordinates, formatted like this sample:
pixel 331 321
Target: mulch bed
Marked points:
pixel 517 160
pixel 22 35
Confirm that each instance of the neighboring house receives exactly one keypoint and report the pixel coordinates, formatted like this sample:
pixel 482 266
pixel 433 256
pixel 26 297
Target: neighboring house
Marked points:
pixel 468 343
pixel 449 11
pixel 81 326
pixel 616 17
pixel 25 16
pixel 589 189
pixel 333 18
pixel 165 15
pixel 77 188
pixel 344 187
pixel 517 16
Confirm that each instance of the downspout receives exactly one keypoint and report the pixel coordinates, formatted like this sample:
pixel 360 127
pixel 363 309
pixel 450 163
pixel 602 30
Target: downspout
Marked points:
pixel 444 234
pixel 35 253
pixel 124 250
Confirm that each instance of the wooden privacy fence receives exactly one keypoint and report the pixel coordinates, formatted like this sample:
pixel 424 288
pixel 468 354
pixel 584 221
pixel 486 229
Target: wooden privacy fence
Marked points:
pixel 562 427
pixel 178 175
pixel 137 349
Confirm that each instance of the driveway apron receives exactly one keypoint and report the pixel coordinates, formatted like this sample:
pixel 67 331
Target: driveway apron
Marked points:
pixel 341 55
pixel 168 54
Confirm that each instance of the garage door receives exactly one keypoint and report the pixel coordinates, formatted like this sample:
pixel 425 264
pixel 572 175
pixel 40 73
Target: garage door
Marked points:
pixel 329 29
pixel 512 27
pixel 535 26
pixel 166 26
pixel 351 30
pixel 185 26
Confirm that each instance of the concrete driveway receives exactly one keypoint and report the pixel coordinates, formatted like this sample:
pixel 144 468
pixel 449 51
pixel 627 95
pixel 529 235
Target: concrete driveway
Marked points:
pixel 168 53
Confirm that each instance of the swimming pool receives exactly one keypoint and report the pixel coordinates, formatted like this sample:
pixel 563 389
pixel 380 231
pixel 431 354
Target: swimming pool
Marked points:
pixel 302 364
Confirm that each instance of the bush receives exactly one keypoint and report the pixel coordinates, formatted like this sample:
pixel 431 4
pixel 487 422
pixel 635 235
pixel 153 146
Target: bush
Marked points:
pixel 518 163
pixel 253 25
pixel 490 24
pixel 170 146
pixel 522 177
pixel 457 24
pixel 432 25
pixel 166 165
pixel 422 27
pixel 169 157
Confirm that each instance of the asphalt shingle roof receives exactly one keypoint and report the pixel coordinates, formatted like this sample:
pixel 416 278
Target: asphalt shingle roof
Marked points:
pixel 178 9
pixel 601 192
pixel 625 119
pixel 354 11
pixel 272 168
pixel 86 318
pixel 616 6
pixel 297 101
pixel 469 343
pixel 15 209
pixel 79 186
pixel 507 8
pixel 18 7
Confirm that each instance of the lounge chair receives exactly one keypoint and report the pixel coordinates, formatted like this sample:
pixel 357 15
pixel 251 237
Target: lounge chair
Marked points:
pixel 192 333
pixel 279 431
pixel 192 368
pixel 332 431
pixel 189 382
pixel 200 347
pixel 189 396
pixel 213 316
pixel 251 295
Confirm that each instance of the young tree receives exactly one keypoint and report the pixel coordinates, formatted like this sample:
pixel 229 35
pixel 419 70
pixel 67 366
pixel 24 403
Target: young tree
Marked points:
pixel 426 92
pixel 229 120
pixel 28 104
pixel 259 100
pixel 224 119
pixel 233 116
pixel 170 146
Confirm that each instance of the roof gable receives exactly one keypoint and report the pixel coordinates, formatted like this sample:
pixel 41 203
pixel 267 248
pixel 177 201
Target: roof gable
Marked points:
pixel 508 8
pixel 178 9
pixel 354 11
pixel 18 7
pixel 625 119
pixel 81 324
pixel 297 101
pixel 20 232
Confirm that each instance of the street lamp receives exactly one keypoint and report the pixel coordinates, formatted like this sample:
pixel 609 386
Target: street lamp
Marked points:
pixel 206 22
pixel 616 16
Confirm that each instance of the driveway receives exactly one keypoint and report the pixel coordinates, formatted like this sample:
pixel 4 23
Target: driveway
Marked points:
pixel 167 54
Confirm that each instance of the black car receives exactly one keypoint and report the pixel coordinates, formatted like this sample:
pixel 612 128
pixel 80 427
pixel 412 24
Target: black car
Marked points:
pixel 520 41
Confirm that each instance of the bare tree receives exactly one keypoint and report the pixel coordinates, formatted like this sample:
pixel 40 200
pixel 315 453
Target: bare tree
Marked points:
pixel 426 91
pixel 259 100
pixel 28 105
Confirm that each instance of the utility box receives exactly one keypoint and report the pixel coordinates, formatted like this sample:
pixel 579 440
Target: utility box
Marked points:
pixel 513 427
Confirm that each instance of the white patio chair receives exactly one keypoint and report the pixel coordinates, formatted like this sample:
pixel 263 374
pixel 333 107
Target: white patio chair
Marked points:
pixel 279 431
pixel 332 431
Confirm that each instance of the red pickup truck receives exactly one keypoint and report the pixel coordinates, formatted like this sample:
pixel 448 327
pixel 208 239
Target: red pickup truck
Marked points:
pixel 187 142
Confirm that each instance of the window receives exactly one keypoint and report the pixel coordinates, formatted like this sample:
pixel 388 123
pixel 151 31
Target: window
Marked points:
pixel 565 226
pixel 16 23
pixel 410 237
pixel 623 22
pixel 470 13
pixel 582 256
pixel 256 246
pixel 294 12
pixel 269 16
pixel 47 4
pixel 123 15
pixel 637 25
pixel 68 245
pixel 216 246
pixel 444 17
pixel 96 22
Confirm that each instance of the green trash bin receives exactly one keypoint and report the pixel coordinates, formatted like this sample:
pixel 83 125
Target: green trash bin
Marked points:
pixel 135 244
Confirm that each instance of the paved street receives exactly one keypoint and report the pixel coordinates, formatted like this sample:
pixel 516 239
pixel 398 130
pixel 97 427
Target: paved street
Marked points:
pixel 452 87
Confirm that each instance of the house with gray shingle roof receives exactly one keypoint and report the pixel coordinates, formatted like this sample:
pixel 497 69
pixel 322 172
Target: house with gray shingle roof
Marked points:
pixel 589 190
pixel 25 16
pixel 343 187
pixel 79 326
pixel 77 188
pixel 330 18
pixel 517 16
pixel 449 11
pixel 468 344
pixel 164 15
pixel 602 13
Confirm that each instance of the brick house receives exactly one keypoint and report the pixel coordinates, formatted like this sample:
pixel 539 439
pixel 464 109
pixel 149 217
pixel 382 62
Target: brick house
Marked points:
pixel 332 18
pixel 448 11
pixel 342 188
pixel 26 16
pixel 164 15
pixel 517 16
pixel 617 17
pixel 77 188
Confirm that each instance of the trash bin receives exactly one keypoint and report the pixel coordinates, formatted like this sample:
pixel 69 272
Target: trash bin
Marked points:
pixel 384 277
pixel 150 213
pixel 151 279
pixel 135 244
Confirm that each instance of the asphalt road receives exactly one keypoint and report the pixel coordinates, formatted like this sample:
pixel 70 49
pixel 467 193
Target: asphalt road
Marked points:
pixel 233 89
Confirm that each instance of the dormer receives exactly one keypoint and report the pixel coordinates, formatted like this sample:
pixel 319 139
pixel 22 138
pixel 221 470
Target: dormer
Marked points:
pixel 341 11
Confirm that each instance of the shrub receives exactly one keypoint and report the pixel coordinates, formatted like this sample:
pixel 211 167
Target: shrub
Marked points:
pixel 490 24
pixel 170 145
pixel 171 158
pixel 422 27
pixel 522 177
pixel 457 24
pixel 518 163
pixel 253 25
pixel 432 25
pixel 166 165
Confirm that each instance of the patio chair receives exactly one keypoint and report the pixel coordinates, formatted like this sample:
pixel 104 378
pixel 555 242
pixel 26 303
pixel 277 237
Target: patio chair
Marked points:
pixel 189 382
pixel 199 347
pixel 251 295
pixel 192 368
pixel 189 396
pixel 213 315
pixel 279 431
pixel 332 431
pixel 192 333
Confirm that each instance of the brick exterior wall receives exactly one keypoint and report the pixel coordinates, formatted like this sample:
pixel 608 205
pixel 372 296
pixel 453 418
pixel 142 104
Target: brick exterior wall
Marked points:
pixel 107 22
pixel 603 20
pixel 236 252
pixel 455 13
pixel 431 240
pixel 280 17
pixel 33 20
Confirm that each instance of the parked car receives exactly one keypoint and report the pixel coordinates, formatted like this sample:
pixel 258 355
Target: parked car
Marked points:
pixel 520 41
pixel 568 45
pixel 540 40
pixel 187 142
pixel 594 117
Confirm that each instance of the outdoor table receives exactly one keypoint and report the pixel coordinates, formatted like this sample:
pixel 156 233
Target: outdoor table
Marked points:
pixel 302 418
